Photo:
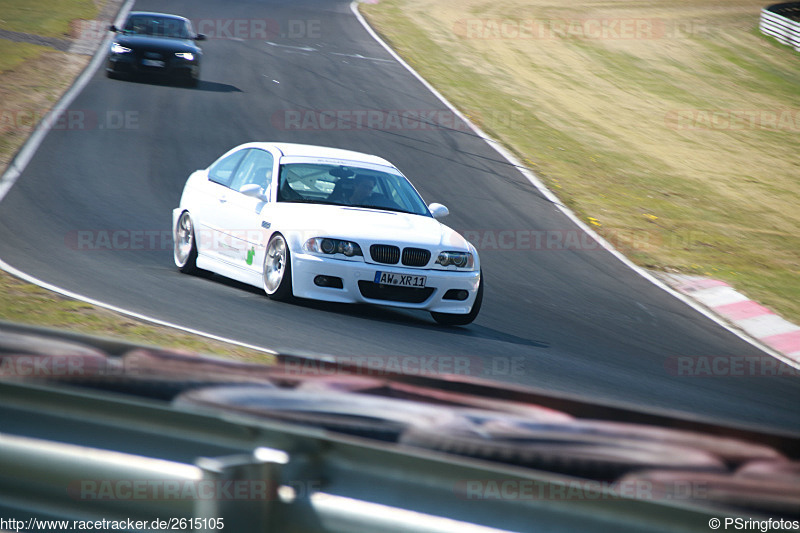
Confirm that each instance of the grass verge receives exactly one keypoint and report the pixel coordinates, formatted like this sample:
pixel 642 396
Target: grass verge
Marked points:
pixel 48 19
pixel 24 303
pixel 14 54
pixel 672 128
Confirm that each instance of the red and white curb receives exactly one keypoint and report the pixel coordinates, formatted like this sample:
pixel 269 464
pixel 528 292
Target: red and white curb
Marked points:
pixel 737 309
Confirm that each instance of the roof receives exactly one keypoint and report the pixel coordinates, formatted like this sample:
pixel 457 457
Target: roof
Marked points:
pixel 310 150
pixel 155 14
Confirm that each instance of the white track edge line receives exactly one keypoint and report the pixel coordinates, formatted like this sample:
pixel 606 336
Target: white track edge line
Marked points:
pixel 53 288
pixel 531 176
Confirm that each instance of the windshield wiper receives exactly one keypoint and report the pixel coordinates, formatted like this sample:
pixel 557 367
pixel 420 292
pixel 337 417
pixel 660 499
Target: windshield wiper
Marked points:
pixel 302 201
pixel 380 208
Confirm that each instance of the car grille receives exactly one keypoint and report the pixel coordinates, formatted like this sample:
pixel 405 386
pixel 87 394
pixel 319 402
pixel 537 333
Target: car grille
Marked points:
pixel 390 255
pixel 141 55
pixel 416 257
pixel 411 295
pixel 385 253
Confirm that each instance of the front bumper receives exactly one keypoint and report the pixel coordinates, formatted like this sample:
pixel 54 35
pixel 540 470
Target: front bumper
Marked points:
pixel 131 64
pixel 358 284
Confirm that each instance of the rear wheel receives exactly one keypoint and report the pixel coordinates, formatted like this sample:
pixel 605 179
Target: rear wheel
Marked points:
pixel 278 269
pixel 450 319
pixel 185 251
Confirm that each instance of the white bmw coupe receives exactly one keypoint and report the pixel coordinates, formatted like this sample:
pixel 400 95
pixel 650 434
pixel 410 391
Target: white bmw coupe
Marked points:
pixel 325 224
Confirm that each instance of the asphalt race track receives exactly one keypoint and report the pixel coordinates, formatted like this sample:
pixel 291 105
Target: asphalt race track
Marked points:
pixel 574 320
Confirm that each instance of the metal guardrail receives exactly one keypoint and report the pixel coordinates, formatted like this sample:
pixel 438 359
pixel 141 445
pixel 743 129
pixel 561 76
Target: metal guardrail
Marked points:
pixel 314 481
pixel 76 453
pixel 782 21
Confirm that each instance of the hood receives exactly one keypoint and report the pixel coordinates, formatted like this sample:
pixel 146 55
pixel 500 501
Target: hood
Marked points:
pixel 152 42
pixel 367 226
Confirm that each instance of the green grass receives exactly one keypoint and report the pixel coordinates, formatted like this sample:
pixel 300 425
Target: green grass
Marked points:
pixel 14 54
pixel 24 303
pixel 49 18
pixel 592 119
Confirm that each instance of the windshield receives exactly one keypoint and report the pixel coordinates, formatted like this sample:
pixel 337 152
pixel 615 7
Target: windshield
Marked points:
pixel 157 26
pixel 348 185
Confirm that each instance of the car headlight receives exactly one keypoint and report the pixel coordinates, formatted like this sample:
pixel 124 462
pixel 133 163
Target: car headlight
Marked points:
pixel 188 56
pixel 117 48
pixel 327 246
pixel 456 259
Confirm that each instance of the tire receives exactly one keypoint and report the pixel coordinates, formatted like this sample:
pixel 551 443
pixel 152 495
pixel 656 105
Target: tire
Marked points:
pixel 450 319
pixel 278 269
pixel 185 248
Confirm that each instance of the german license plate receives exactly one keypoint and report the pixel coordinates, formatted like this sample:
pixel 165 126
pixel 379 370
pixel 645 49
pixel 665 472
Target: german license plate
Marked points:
pixel 153 63
pixel 400 280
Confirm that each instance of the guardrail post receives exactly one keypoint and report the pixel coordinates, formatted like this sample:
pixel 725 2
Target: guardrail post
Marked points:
pixel 238 492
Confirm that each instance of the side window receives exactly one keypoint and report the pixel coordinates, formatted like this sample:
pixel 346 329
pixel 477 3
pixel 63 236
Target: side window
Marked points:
pixel 222 171
pixel 256 168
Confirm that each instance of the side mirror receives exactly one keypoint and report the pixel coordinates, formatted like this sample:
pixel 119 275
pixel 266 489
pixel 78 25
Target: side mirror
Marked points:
pixel 438 210
pixel 113 28
pixel 200 37
pixel 253 190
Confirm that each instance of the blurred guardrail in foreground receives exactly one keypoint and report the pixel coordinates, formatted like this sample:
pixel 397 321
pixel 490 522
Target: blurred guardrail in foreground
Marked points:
pixel 782 21
pixel 112 433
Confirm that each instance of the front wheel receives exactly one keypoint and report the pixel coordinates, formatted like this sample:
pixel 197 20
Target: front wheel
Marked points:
pixel 450 319
pixel 185 250
pixel 278 269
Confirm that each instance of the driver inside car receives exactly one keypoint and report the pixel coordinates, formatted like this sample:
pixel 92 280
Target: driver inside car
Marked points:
pixel 353 192
pixel 363 185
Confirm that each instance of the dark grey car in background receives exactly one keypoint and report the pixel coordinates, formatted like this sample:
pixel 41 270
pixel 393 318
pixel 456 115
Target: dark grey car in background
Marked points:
pixel 155 44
